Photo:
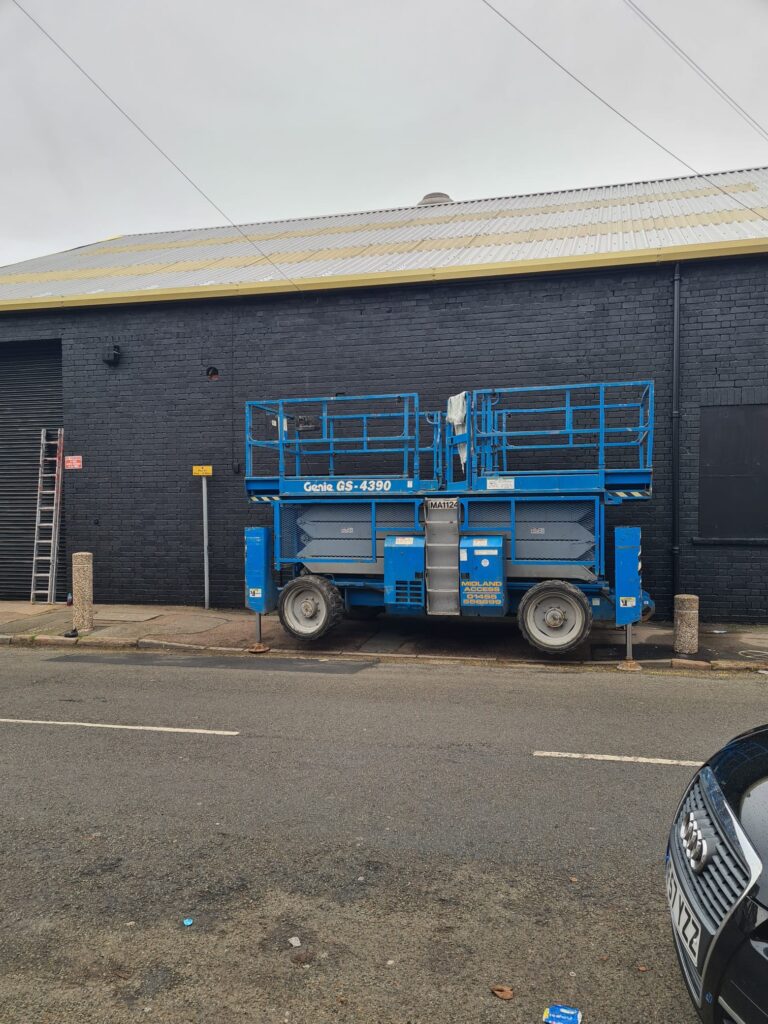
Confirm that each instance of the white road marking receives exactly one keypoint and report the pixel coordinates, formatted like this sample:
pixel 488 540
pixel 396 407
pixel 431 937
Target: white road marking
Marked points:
pixel 108 725
pixel 616 757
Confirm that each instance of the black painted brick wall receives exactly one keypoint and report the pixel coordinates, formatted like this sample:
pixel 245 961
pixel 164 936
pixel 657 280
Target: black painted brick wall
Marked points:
pixel 141 425
pixel 724 328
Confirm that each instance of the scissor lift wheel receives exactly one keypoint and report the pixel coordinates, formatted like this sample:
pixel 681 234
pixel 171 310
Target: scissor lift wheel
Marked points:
pixel 310 606
pixel 554 616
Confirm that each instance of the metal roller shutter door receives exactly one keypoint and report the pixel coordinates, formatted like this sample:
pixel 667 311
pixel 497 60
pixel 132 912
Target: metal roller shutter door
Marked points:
pixel 30 399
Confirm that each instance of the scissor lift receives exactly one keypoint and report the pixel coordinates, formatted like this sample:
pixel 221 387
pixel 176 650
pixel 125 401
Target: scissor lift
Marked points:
pixel 493 508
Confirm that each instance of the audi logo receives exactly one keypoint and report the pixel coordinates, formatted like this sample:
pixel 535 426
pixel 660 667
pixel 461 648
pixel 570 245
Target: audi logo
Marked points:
pixel 698 840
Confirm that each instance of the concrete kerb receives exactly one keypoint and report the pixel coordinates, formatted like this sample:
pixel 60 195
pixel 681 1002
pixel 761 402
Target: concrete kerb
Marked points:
pixel 107 642
pixel 46 640
pixel 728 665
pixel 124 643
pixel 172 645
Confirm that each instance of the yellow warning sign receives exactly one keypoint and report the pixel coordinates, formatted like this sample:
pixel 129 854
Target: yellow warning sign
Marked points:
pixel 202 471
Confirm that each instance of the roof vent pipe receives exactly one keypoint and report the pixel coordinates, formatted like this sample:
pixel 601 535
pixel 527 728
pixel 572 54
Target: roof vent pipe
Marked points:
pixel 434 199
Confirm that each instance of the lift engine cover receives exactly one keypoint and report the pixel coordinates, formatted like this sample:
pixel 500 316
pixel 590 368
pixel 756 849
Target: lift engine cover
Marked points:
pixel 404 575
pixel 481 568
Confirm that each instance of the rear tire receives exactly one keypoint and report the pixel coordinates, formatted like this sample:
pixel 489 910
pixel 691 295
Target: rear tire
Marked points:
pixel 309 606
pixel 554 616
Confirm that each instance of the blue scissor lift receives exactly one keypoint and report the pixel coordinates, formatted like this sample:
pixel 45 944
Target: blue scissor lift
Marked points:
pixel 495 507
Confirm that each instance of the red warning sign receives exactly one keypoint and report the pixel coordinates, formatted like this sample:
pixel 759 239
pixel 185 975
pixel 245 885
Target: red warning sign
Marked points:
pixel 73 462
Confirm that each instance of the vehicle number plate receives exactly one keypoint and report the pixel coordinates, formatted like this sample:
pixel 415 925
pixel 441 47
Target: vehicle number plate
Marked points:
pixel 683 918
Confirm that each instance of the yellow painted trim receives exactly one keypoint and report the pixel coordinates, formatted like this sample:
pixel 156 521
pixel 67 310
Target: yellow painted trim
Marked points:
pixel 588 261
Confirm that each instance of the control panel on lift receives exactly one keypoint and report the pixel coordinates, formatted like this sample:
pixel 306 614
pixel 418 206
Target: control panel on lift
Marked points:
pixel 627 582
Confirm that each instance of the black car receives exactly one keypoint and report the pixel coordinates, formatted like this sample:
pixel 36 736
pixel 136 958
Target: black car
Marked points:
pixel 717 883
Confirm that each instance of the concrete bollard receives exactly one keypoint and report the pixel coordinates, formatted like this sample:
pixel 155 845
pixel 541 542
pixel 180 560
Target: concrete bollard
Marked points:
pixel 686 638
pixel 82 591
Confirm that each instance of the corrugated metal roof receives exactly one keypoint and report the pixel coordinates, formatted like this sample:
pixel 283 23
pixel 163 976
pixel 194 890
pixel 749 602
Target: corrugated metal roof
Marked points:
pixel 642 222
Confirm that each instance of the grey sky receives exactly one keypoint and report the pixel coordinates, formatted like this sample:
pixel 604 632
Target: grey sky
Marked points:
pixel 305 107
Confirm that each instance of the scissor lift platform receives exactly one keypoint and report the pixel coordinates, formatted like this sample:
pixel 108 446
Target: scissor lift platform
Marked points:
pixel 388 505
pixel 558 439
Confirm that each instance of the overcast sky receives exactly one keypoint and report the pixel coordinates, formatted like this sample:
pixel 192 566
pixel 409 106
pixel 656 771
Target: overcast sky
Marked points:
pixel 299 107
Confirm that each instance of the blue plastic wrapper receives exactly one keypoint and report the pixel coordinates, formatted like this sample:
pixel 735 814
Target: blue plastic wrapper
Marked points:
pixel 562 1015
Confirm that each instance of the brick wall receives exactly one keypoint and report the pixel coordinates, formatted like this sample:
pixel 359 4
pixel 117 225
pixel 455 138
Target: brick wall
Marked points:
pixel 141 425
pixel 724 361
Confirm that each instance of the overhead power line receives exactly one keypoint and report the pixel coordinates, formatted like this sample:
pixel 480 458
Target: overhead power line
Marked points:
pixel 725 96
pixel 610 106
pixel 156 146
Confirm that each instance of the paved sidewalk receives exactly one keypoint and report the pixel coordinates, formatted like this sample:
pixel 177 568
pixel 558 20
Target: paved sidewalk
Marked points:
pixel 232 631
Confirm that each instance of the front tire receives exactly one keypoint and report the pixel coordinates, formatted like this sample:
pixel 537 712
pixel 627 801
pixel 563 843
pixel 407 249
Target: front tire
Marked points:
pixel 554 616
pixel 309 606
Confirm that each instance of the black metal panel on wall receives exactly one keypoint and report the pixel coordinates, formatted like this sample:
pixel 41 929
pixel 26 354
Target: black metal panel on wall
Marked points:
pixel 30 399
pixel 733 472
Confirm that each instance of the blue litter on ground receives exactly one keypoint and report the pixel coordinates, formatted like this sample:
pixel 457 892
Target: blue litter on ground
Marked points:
pixel 562 1015
pixel 188 921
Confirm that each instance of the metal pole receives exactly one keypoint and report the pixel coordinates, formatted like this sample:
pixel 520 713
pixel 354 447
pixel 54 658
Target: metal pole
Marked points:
pixel 258 628
pixel 629 641
pixel 205 540
pixel 676 430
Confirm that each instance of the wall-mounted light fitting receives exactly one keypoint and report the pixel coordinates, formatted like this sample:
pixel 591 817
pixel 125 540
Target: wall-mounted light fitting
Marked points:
pixel 111 355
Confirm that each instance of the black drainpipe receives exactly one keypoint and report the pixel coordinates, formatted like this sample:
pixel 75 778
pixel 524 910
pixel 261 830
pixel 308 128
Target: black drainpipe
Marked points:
pixel 676 432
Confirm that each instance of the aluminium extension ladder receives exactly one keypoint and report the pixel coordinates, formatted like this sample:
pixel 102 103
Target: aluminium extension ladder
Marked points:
pixel 48 516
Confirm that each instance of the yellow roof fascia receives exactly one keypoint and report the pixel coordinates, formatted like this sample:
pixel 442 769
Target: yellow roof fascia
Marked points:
pixel 584 261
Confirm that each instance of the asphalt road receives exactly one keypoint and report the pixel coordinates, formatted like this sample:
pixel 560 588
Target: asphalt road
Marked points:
pixel 392 817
